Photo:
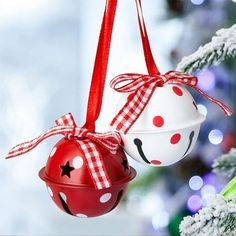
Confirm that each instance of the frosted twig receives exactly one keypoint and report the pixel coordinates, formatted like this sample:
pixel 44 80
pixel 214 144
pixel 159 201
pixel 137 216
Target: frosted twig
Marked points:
pixel 218 218
pixel 222 46
pixel 226 164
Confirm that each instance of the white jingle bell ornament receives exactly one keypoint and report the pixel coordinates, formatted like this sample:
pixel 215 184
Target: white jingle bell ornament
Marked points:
pixel 159 121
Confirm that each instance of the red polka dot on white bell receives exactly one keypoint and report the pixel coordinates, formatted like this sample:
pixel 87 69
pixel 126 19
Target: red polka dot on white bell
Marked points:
pixel 177 91
pixel 175 138
pixel 158 121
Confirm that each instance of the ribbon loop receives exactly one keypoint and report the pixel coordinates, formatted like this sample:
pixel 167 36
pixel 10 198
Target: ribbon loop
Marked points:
pixel 142 87
pixel 130 82
pixel 66 126
pixel 127 83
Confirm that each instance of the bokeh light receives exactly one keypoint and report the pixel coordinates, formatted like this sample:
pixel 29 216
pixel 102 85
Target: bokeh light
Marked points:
pixel 202 109
pixel 151 204
pixel 208 190
pixel 194 203
pixel 160 220
pixel 195 182
pixel 206 80
pixel 197 2
pixel 215 136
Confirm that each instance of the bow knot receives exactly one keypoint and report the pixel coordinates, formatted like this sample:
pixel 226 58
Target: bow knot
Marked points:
pixel 159 80
pixel 66 126
pixel 142 87
pixel 76 133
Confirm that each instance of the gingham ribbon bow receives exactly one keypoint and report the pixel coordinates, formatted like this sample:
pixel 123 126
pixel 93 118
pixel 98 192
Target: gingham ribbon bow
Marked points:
pixel 142 87
pixel 66 126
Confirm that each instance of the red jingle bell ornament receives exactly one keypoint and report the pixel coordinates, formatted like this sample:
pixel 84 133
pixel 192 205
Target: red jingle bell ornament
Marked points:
pixel 72 174
pixel 70 184
pixel 87 173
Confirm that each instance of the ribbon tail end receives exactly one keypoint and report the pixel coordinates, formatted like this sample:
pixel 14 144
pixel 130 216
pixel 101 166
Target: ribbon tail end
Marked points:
pixel 228 112
pixel 12 155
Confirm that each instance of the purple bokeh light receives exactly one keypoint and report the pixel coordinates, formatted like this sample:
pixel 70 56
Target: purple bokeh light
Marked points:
pixel 206 80
pixel 194 203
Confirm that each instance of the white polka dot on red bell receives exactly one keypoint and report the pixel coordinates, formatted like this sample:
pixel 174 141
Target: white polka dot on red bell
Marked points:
pixel 53 151
pixel 77 162
pixel 113 152
pixel 50 191
pixel 81 215
pixel 105 197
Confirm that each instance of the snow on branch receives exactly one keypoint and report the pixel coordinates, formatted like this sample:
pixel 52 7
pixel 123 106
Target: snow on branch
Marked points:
pixel 222 46
pixel 226 164
pixel 217 218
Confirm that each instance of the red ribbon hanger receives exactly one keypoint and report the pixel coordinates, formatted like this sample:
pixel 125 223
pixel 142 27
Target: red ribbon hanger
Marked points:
pixel 100 67
pixel 150 62
pixel 142 86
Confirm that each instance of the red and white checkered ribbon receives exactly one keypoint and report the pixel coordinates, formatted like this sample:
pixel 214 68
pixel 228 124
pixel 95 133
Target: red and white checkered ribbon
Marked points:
pixel 142 87
pixel 66 126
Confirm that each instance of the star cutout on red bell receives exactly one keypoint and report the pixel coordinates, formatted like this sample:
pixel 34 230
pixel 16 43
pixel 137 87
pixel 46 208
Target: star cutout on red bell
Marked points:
pixel 66 169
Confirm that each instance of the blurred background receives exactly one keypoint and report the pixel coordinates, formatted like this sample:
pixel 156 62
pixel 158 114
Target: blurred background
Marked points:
pixel 47 50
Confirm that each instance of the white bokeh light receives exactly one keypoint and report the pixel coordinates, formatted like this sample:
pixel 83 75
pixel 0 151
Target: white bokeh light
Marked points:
pixel 208 190
pixel 202 109
pixel 160 220
pixel 151 204
pixel 215 136
pixel 195 183
pixel 197 2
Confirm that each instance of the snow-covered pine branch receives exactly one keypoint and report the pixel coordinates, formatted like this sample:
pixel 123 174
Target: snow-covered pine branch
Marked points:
pixel 218 218
pixel 222 45
pixel 226 164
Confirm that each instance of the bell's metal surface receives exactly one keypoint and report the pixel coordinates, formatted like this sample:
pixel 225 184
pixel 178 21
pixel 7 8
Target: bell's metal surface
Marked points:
pixel 167 129
pixel 71 187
